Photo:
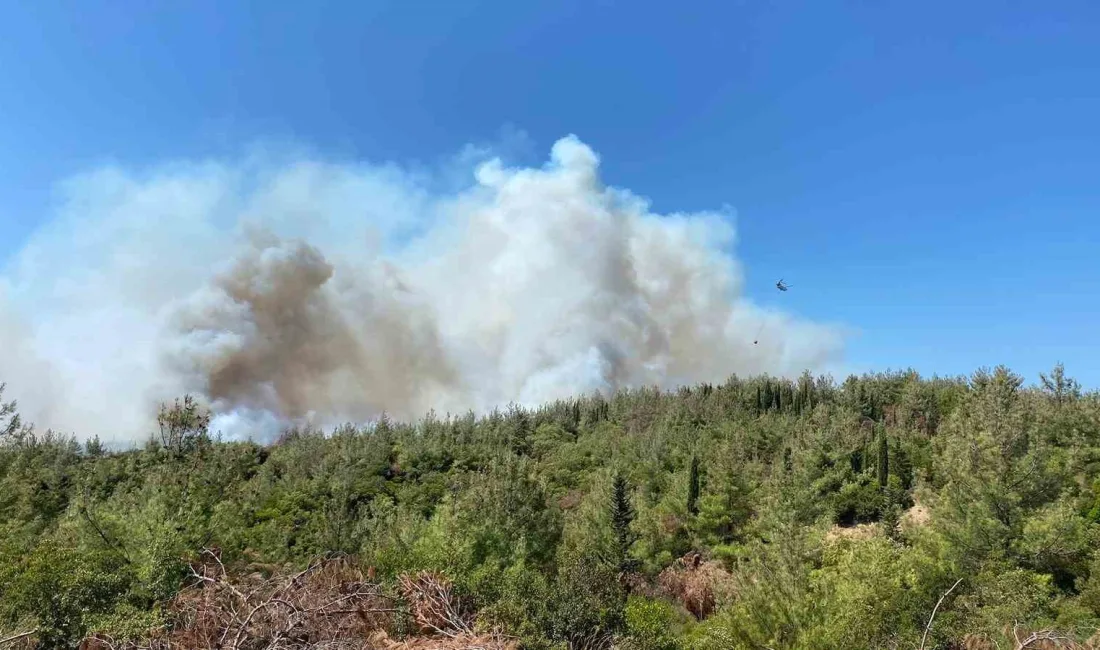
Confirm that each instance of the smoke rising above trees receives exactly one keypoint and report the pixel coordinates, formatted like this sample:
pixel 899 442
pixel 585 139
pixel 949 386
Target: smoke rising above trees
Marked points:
pixel 284 289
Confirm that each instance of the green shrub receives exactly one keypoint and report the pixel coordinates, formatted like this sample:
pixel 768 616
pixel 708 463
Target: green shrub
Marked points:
pixel 64 591
pixel 652 624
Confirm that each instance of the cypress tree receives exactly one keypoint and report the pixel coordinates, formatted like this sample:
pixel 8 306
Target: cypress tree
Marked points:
pixel 883 460
pixel 693 487
pixel 622 515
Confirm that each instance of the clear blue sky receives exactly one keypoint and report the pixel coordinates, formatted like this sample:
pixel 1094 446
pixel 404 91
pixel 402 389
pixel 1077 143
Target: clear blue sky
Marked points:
pixel 928 172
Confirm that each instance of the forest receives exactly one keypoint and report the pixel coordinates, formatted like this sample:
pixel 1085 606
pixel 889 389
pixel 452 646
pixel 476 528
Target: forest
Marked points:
pixel 888 510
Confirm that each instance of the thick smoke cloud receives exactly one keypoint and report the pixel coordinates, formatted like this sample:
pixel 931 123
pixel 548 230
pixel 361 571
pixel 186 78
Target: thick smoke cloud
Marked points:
pixel 283 291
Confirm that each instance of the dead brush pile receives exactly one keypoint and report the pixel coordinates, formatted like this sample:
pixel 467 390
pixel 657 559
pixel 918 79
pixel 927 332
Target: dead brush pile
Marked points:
pixel 697 584
pixel 460 642
pixel 1027 639
pixel 437 612
pixel 433 605
pixel 329 606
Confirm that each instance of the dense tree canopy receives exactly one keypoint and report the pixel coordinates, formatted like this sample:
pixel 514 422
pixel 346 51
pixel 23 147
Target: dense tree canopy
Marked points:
pixel 758 513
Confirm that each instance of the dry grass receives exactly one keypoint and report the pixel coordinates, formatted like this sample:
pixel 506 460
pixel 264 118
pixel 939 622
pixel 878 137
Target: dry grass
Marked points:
pixel 916 517
pixel 857 532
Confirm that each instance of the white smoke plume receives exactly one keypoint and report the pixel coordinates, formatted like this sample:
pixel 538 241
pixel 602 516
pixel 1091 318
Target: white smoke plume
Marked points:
pixel 300 289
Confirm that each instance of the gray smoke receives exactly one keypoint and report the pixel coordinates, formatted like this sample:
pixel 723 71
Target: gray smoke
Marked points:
pixel 304 290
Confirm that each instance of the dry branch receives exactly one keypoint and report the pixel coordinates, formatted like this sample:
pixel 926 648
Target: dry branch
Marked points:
pixel 927 628
pixel 17 637
pixel 1047 639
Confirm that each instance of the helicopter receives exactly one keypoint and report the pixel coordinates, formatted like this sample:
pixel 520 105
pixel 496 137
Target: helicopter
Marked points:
pixel 782 286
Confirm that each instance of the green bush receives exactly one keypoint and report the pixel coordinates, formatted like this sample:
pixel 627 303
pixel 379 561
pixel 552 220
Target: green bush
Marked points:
pixel 65 592
pixel 652 624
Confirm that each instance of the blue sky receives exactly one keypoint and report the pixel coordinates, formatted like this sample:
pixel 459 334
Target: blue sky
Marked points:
pixel 928 173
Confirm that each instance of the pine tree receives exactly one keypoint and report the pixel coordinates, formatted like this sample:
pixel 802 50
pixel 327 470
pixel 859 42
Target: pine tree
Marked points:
pixel 519 431
pixel 183 425
pixel 693 487
pixel 93 447
pixel 10 422
pixel 1060 387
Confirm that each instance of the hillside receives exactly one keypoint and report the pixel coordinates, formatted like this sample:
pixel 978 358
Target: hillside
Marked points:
pixel 757 513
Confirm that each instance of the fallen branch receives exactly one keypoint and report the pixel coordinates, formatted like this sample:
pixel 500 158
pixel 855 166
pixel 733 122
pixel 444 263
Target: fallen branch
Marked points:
pixel 13 639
